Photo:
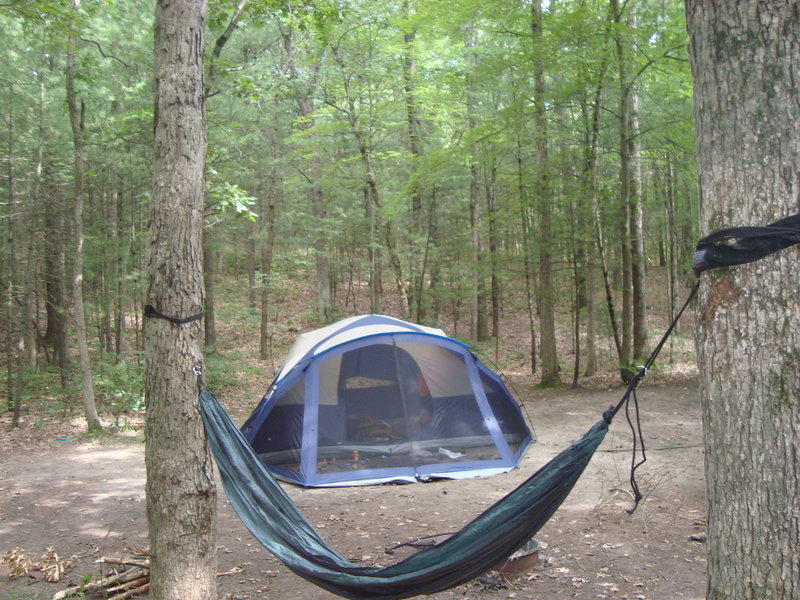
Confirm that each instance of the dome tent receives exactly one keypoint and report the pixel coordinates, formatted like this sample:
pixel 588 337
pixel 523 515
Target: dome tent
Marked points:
pixel 373 399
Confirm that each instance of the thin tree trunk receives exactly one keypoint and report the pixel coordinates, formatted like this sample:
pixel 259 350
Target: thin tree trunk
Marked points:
pixel 371 183
pixel 267 229
pixel 624 220
pixel 267 247
pixel 303 90
pixel 210 311
pixel 8 275
pixel 31 332
pixel 416 292
pixel 595 207
pixel 54 274
pixel 491 202
pixel 476 248
pixel 527 249
pixel 547 314
pixel 76 117
pixel 476 285
pixel 181 493
pixel 636 214
pixel 433 245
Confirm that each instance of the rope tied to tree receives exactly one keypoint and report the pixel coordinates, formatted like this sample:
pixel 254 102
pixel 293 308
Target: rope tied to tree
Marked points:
pixel 724 248
pixel 633 417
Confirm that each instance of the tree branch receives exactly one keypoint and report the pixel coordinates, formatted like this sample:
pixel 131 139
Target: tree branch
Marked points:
pixel 102 52
pixel 220 44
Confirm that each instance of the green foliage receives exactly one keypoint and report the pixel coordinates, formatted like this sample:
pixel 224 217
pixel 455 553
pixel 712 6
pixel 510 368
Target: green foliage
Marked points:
pixel 304 91
pixel 119 386
pixel 229 197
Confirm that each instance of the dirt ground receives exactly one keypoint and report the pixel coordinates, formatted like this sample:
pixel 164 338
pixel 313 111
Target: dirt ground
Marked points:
pixel 86 497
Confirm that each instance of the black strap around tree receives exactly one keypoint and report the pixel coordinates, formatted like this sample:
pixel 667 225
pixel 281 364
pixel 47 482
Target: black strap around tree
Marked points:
pixel 151 312
pixel 740 245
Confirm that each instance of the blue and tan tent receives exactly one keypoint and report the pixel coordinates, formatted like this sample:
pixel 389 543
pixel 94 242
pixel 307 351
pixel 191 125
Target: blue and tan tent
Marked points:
pixel 374 399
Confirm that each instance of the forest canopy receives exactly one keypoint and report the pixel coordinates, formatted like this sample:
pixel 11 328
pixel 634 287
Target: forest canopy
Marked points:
pixel 446 162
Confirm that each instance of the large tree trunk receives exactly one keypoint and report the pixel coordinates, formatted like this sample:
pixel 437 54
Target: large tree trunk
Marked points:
pixel 745 59
pixel 181 495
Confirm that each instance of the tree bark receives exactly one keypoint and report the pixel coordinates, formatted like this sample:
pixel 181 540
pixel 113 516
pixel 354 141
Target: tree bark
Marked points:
pixel 55 335
pixel 625 179
pixel 547 312
pixel 745 57
pixel 636 228
pixel 593 223
pixel 267 234
pixel 418 234
pixel 76 118
pixel 181 494
pixel 267 245
pixel 9 277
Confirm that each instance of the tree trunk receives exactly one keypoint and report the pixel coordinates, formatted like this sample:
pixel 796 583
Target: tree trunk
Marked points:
pixel 181 494
pixel 494 247
pixel 267 237
pixel 76 118
pixel 304 90
pixel 547 312
pixel 322 260
pixel 210 308
pixel 418 234
pixel 590 174
pixel 476 248
pixel 477 318
pixel 8 277
pixel 745 58
pixel 31 263
pixel 625 179
pixel 55 335
pixel 374 197
pixel 527 250
pixel 636 228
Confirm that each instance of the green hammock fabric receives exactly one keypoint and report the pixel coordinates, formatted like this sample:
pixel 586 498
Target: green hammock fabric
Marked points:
pixel 275 521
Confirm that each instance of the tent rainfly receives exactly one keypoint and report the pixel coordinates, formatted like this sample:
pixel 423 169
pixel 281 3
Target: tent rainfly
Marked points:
pixel 373 399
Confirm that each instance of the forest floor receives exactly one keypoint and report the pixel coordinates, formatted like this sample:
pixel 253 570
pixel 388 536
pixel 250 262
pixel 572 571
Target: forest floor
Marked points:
pixel 84 497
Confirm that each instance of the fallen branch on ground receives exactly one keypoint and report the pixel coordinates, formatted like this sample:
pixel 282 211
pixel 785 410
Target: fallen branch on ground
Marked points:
pixel 129 583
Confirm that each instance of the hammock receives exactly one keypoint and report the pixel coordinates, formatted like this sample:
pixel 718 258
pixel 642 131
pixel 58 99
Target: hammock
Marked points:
pixel 275 521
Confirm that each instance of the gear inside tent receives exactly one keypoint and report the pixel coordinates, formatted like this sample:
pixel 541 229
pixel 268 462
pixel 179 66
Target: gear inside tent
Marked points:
pixel 374 399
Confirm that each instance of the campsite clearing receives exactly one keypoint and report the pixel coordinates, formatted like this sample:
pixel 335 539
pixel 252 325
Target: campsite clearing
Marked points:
pixel 86 498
